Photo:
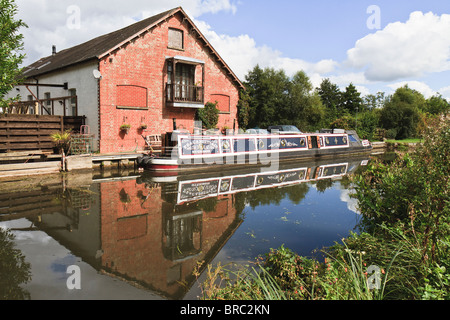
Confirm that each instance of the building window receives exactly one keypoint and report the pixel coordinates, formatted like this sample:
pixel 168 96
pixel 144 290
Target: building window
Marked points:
pixel 176 39
pixel 184 82
pixel 47 98
pixel 73 101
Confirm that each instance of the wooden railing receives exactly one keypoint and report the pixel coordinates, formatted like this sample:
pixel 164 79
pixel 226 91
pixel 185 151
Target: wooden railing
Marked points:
pixel 184 93
pixel 43 106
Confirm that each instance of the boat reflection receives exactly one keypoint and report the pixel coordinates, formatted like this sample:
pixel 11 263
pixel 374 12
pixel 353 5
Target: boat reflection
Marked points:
pixel 152 230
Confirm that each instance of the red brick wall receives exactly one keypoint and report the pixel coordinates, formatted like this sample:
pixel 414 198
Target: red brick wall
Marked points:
pixel 142 63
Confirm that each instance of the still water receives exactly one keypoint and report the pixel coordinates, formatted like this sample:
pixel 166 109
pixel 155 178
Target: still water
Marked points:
pixel 140 236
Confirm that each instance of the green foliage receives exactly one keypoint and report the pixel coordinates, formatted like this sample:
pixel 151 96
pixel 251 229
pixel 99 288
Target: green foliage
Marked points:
pixel 267 89
pixel 239 283
pixel 437 105
pixel 277 99
pixel 346 122
pixel 62 140
pixel 331 97
pixel 14 270
pixel 348 110
pixel 209 115
pixel 274 98
pixel 411 198
pixel 11 45
pixel 401 114
pixel 351 99
pixel 367 124
pixel 283 274
pixel 243 109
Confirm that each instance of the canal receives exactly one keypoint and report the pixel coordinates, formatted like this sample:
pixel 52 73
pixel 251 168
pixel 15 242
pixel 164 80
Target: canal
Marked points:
pixel 132 235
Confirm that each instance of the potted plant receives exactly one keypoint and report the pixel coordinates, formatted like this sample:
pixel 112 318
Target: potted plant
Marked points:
pixel 62 141
pixel 143 127
pixel 125 127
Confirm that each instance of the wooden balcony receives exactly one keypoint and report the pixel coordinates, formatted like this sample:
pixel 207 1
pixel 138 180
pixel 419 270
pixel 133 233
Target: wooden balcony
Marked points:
pixel 184 96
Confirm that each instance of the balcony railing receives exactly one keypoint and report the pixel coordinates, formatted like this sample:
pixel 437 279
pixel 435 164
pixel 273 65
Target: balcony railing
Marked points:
pixel 178 93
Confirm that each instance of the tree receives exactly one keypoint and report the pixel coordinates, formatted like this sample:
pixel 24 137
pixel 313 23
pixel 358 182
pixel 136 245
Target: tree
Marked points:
pixel 437 105
pixel 11 45
pixel 331 97
pixel 372 101
pixel 274 98
pixel 243 109
pixel 351 99
pixel 267 89
pixel 209 115
pixel 400 115
pixel 304 108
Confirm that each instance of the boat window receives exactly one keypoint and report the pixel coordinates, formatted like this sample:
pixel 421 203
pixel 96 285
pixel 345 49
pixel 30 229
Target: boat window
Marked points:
pixel 352 138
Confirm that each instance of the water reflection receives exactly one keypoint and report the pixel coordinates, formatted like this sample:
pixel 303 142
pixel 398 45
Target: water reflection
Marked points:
pixel 152 230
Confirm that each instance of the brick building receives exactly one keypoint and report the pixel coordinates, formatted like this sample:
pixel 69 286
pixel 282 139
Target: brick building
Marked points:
pixel 152 72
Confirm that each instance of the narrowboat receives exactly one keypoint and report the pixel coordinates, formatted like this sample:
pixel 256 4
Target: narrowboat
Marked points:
pixel 183 151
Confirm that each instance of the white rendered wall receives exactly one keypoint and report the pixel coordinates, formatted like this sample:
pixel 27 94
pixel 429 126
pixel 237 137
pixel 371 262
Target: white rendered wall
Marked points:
pixel 79 77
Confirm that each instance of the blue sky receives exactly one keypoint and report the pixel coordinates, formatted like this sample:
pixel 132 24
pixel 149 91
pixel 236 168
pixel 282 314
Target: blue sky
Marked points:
pixel 324 38
pixel 321 29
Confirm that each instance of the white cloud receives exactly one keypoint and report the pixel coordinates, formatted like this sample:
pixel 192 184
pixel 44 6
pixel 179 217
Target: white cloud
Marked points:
pixel 422 87
pixel 48 20
pixel 417 47
pixel 445 92
pixel 345 78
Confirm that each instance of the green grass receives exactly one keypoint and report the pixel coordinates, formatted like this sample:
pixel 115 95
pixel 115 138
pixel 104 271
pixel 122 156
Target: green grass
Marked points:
pixel 405 141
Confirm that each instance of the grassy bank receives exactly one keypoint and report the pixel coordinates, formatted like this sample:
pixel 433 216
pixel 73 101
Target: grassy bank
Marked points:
pixel 402 253
pixel 405 141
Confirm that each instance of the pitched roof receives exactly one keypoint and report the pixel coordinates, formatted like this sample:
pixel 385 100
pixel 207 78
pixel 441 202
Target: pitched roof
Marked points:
pixel 105 44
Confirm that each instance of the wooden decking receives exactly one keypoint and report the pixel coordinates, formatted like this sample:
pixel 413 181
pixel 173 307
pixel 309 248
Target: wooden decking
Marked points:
pixel 36 162
pixel 26 163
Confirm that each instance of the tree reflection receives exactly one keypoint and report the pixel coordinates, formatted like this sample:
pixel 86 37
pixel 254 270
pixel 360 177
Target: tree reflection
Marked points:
pixel 271 196
pixel 323 185
pixel 14 271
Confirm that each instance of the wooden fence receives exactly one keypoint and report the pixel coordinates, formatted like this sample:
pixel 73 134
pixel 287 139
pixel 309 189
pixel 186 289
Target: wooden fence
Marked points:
pixel 23 132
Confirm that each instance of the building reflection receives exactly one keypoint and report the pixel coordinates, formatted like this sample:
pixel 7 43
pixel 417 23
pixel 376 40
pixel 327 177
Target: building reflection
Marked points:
pixel 152 230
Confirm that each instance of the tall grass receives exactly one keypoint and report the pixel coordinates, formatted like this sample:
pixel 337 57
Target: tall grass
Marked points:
pixel 283 275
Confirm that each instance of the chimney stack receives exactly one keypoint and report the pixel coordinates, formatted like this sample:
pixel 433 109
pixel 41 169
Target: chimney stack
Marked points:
pixel 54 50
